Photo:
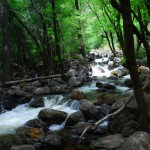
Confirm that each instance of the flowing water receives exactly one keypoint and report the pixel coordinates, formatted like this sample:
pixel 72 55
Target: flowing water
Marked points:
pixel 17 117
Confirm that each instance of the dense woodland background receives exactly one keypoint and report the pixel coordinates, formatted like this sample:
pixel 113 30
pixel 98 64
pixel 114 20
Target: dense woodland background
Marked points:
pixel 42 36
pixel 49 32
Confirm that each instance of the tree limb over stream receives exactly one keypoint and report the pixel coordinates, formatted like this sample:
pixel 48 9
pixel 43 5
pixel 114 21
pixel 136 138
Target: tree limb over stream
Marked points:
pixel 33 79
pixel 95 125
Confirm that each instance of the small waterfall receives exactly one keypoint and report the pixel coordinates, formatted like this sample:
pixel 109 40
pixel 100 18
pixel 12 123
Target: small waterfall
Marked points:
pixel 17 117
pixel 69 107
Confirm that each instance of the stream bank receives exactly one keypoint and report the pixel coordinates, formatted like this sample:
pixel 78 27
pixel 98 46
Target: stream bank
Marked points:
pixel 57 121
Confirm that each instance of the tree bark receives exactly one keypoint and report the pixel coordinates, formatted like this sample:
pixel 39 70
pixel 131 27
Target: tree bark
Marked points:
pixel 80 37
pixel 131 63
pixel 6 48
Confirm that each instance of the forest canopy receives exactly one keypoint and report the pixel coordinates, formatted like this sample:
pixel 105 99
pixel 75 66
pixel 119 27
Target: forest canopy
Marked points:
pixel 49 32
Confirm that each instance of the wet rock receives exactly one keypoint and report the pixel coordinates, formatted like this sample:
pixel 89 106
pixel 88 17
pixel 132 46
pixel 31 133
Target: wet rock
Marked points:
pixel 89 110
pixel 118 104
pixel 23 147
pixel 51 116
pixel 112 77
pixel 16 93
pixel 80 126
pixel 129 128
pixel 52 139
pixel 117 124
pixel 108 142
pixel 12 100
pixel 35 133
pixel 120 72
pixel 105 86
pixel 75 81
pixel 74 118
pixel 145 79
pixel 42 91
pixel 38 146
pixel 133 103
pixel 76 94
pixel 138 141
pixel 35 123
pixel 37 102
pixel 111 65
pixel 72 73
pixel 105 109
pixel 84 75
pixel 104 98
pixel 144 69
pixel 52 83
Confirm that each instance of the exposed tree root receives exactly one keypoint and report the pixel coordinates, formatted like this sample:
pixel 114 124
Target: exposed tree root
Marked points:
pixel 95 125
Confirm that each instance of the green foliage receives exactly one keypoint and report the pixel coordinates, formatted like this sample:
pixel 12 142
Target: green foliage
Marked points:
pixel 95 18
pixel 141 53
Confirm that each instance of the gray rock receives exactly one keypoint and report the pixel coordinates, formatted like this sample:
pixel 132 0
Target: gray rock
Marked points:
pixel 72 73
pixel 138 141
pixel 80 126
pixel 37 102
pixel 89 110
pixel 77 95
pixel 52 139
pixel 104 98
pixel 74 118
pixel 51 116
pixel 42 90
pixel 129 128
pixel 23 147
pixel 35 123
pixel 108 142
pixel 75 81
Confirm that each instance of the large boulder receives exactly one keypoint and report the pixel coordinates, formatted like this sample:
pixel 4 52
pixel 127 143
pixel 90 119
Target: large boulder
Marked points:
pixel 84 75
pixel 104 98
pixel 144 69
pixel 51 116
pixel 76 94
pixel 130 128
pixel 72 73
pixel 52 139
pixel 117 124
pixel 35 123
pixel 120 72
pixel 74 118
pixel 42 91
pixel 75 81
pixel 138 141
pixel 109 142
pixel 89 110
pixel 23 147
pixel 37 102
pixel 35 133
pixel 80 126
pixel 101 85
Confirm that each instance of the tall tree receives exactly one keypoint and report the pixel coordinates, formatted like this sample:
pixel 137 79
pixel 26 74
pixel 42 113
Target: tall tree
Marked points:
pixel 80 37
pixel 131 63
pixel 6 48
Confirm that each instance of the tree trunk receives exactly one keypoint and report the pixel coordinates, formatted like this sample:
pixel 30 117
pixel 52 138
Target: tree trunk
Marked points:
pixel 80 37
pixel 57 38
pixel 6 48
pixel 131 63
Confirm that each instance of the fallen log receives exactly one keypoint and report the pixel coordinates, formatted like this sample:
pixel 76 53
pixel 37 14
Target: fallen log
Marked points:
pixel 95 125
pixel 33 79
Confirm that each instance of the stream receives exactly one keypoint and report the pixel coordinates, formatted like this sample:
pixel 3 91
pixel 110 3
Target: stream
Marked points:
pixel 17 117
